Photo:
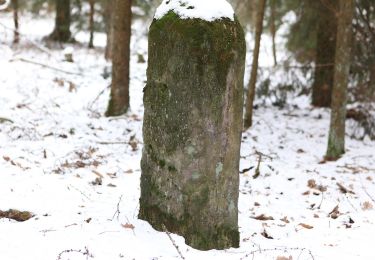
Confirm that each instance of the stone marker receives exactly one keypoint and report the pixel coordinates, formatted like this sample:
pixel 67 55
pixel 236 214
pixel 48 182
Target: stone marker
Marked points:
pixel 192 129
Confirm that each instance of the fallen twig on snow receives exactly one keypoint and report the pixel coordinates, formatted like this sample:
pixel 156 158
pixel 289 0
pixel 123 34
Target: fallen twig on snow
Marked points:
pixel 252 253
pixel 46 66
pixel 173 242
pixel 89 107
pixel 117 209
pixel 84 252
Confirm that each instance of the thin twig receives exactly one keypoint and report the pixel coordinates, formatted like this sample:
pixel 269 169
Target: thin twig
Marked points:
pixel 87 197
pixel 173 242
pixel 108 143
pixel 46 66
pixel 252 253
pixel 97 97
pixel 85 252
pixel 117 209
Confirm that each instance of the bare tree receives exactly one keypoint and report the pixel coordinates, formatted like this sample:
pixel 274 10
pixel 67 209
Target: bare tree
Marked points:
pixel 62 32
pixel 121 29
pixel 325 52
pixel 336 139
pixel 108 28
pixel 254 70
pixel 16 38
pixel 91 23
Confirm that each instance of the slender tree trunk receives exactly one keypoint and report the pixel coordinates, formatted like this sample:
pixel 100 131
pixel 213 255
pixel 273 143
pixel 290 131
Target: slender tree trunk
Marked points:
pixel 336 138
pixel 108 28
pixel 371 88
pixel 91 23
pixel 62 32
pixel 254 70
pixel 16 38
pixel 325 54
pixel 121 29
pixel 273 31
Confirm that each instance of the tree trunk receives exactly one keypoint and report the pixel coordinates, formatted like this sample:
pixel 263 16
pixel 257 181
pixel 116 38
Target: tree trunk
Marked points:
pixel 325 54
pixel 254 69
pixel 336 138
pixel 91 23
pixel 121 29
pixel 371 86
pixel 62 32
pixel 108 28
pixel 273 31
pixel 16 38
pixel 192 130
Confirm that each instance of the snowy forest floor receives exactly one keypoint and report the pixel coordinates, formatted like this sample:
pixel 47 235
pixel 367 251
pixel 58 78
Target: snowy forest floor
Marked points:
pixel 79 172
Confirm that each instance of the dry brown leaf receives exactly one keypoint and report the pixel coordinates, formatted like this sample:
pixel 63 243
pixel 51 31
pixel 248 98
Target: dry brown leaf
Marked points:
pixel 335 213
pixel 263 217
pixel 306 193
pixel 306 226
pixel 265 234
pixel 311 183
pixel 284 258
pixel 285 219
pixel 367 205
pixel 128 225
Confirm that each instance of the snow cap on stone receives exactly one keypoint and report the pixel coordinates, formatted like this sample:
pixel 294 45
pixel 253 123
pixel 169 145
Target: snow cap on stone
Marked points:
pixel 209 10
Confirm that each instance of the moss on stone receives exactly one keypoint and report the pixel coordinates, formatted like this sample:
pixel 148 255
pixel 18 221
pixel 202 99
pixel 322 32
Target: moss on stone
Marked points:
pixel 193 120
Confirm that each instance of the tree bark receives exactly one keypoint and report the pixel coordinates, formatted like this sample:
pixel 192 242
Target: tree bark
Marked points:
pixel 192 129
pixel 325 53
pixel 273 31
pixel 108 28
pixel 121 29
pixel 254 70
pixel 91 23
pixel 62 32
pixel 16 36
pixel 336 138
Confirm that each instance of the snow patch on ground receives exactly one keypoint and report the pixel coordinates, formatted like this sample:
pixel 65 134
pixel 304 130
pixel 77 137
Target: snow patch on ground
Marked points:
pixel 209 10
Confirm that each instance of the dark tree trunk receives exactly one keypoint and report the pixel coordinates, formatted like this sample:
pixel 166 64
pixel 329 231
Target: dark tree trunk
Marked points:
pixel 91 23
pixel 371 91
pixel 16 38
pixel 62 32
pixel 192 130
pixel 121 30
pixel 336 138
pixel 254 69
pixel 325 53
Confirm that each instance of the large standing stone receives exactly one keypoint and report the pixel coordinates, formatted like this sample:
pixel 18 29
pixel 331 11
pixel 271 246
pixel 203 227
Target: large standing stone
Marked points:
pixel 192 129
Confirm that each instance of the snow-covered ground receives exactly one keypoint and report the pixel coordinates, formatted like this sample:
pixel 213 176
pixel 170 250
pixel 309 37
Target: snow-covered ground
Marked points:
pixel 79 172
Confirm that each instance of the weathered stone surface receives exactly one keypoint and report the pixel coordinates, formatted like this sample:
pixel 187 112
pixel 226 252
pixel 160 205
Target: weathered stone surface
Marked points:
pixel 192 130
